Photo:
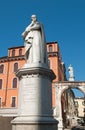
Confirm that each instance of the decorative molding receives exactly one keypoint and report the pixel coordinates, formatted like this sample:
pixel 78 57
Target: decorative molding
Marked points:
pixel 35 71
pixel 50 54
pixel 70 83
pixel 6 59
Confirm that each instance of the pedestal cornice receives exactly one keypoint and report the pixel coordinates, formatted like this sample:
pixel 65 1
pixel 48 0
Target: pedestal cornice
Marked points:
pixel 36 71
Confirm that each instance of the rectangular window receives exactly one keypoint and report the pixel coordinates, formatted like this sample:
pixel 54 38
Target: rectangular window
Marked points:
pixel 50 48
pixel 0 102
pixel 1 68
pixel 76 110
pixel 76 103
pixel 0 83
pixel 13 102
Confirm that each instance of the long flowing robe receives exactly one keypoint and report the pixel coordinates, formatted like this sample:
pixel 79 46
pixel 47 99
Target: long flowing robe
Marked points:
pixel 35 45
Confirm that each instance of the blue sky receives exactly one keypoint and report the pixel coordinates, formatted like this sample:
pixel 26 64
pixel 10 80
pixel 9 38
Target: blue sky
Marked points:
pixel 64 22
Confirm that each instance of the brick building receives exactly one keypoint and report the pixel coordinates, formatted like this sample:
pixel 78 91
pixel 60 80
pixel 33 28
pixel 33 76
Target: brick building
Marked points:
pixel 9 83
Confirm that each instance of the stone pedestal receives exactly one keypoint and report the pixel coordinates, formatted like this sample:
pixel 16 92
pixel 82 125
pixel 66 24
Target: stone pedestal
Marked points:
pixel 35 99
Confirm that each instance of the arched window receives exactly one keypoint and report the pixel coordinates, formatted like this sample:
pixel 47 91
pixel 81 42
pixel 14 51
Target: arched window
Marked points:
pixel 14 83
pixel 1 68
pixel 50 48
pixel 13 52
pixel 0 83
pixel 15 67
pixel 20 52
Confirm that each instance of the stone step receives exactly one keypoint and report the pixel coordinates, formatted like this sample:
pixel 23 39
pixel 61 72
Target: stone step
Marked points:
pixel 67 129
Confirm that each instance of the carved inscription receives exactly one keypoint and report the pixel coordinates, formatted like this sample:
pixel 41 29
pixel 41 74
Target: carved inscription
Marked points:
pixel 30 92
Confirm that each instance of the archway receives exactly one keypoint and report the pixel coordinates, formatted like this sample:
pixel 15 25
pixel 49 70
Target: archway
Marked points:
pixel 61 87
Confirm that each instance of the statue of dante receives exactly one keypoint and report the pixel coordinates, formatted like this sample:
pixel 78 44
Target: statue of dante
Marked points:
pixel 35 44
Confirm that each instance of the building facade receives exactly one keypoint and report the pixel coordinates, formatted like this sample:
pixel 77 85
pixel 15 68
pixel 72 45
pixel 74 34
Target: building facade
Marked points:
pixel 9 83
pixel 80 107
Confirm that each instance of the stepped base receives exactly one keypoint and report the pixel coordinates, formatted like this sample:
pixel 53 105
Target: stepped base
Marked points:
pixel 33 123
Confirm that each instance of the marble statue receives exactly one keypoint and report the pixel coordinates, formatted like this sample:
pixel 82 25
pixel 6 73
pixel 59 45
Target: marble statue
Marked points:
pixel 35 79
pixel 35 44
pixel 71 73
pixel 70 69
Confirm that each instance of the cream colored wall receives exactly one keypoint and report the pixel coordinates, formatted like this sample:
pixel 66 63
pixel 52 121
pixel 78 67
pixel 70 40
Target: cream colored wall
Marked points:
pixel 80 107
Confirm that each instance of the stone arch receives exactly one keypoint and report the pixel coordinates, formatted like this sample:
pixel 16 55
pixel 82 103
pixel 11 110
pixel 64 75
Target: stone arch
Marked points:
pixel 77 87
pixel 60 87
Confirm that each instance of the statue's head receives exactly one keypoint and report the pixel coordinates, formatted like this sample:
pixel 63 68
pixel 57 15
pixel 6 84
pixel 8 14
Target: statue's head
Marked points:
pixel 34 17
